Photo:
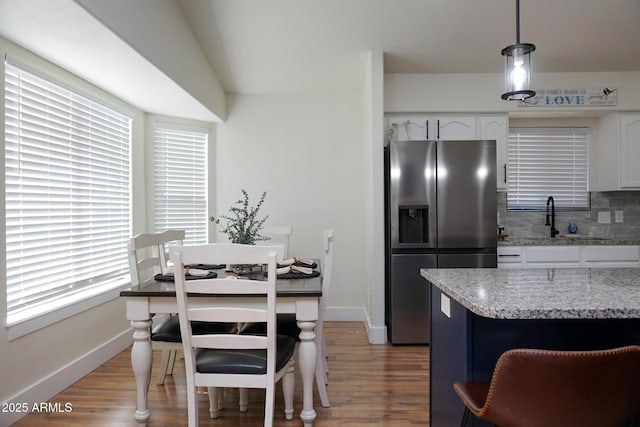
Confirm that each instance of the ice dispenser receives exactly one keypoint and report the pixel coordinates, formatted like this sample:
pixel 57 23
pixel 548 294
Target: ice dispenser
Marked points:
pixel 414 223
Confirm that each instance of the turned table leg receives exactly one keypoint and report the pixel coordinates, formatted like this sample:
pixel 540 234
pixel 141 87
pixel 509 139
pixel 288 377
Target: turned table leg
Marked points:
pixel 141 363
pixel 307 363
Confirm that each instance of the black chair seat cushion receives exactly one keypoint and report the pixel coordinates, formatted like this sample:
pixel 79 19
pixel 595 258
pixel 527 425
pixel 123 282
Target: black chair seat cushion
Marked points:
pixel 286 324
pixel 254 362
pixel 169 329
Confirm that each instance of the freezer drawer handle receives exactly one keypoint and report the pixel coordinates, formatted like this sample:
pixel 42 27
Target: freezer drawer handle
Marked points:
pixel 508 255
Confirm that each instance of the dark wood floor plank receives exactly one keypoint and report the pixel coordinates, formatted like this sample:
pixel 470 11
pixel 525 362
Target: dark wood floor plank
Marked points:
pixel 369 385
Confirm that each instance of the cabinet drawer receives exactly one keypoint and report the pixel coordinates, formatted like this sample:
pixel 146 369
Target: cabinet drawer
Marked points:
pixel 611 254
pixel 509 254
pixel 553 254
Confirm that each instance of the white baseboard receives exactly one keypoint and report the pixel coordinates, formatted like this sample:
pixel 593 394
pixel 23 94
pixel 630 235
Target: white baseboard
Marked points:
pixel 48 387
pixel 376 334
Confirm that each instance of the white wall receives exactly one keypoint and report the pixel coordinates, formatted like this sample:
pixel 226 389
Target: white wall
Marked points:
pixel 481 92
pixel 38 365
pixel 373 153
pixel 159 31
pixel 305 151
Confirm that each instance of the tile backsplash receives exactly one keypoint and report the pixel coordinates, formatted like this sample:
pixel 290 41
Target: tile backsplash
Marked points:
pixel 531 224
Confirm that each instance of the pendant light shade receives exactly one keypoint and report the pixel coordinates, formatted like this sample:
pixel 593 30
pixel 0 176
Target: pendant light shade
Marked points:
pixel 517 73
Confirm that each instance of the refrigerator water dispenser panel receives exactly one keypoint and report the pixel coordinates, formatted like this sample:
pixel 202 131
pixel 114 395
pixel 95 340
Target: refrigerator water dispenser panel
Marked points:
pixel 414 223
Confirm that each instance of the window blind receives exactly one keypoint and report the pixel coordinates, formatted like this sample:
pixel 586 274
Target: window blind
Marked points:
pixel 67 195
pixel 547 162
pixel 180 180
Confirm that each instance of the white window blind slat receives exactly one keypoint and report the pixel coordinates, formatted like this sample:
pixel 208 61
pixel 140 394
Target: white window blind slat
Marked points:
pixel 547 162
pixel 67 195
pixel 180 180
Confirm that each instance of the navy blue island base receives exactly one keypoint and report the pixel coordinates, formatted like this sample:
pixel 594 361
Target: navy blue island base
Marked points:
pixel 464 345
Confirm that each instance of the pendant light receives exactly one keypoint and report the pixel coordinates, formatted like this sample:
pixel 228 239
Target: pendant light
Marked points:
pixel 517 71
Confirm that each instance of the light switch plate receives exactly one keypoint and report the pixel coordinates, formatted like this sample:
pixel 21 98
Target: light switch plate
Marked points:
pixel 604 217
pixel 619 216
pixel 445 305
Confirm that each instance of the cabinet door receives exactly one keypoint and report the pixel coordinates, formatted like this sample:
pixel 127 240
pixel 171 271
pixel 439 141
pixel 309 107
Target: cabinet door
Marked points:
pixel 606 162
pixel 611 256
pixel 497 127
pixel 553 256
pixel 408 127
pixel 629 150
pixel 452 127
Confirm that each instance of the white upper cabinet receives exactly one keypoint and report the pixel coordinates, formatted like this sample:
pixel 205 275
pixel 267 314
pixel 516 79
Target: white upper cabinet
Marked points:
pixel 452 127
pixel 618 152
pixel 455 127
pixel 629 150
pixel 408 127
pixel 497 127
pixel 432 127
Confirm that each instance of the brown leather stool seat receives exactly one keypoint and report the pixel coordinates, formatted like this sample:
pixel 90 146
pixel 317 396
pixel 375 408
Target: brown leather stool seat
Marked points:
pixel 533 388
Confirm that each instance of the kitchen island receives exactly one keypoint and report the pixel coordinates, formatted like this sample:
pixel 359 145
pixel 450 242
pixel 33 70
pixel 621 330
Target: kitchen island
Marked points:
pixel 477 314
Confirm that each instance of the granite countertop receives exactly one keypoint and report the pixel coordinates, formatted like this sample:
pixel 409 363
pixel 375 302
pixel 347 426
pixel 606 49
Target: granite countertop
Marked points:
pixel 571 293
pixel 572 240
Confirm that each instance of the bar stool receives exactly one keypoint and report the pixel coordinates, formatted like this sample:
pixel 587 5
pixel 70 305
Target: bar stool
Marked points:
pixel 532 388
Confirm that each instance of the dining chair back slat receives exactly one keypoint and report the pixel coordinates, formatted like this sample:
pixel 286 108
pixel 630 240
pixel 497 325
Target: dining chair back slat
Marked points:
pixel 148 254
pixel 278 235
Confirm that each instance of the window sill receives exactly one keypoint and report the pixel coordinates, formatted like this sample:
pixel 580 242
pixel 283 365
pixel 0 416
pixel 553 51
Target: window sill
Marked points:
pixel 39 321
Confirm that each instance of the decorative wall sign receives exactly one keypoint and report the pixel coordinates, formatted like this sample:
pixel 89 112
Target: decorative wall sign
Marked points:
pixel 591 97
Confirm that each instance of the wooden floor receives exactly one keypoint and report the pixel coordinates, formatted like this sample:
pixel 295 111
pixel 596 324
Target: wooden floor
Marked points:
pixel 380 385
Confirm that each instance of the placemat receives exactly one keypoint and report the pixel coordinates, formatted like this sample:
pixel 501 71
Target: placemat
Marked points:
pixel 296 275
pixel 171 278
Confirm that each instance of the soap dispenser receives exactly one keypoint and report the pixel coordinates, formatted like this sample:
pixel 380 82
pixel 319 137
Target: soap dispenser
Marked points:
pixel 573 228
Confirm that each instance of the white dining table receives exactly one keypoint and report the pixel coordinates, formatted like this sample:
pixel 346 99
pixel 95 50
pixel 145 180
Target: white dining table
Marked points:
pixel 299 296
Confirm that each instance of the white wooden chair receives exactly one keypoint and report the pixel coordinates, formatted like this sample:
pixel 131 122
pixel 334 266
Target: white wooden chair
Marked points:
pixel 233 360
pixel 278 235
pixel 322 361
pixel 148 257
pixel 287 324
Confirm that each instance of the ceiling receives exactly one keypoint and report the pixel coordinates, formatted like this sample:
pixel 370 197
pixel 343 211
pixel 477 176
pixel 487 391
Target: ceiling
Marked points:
pixel 296 45
pixel 285 46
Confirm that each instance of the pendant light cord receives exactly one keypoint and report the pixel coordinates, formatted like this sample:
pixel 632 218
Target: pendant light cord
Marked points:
pixel 518 21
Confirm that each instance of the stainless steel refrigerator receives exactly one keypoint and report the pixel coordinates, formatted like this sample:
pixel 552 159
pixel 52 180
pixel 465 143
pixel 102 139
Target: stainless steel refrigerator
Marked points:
pixel 440 212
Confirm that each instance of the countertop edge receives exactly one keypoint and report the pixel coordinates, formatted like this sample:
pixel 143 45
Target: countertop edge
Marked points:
pixel 515 313
pixel 459 298
pixel 583 241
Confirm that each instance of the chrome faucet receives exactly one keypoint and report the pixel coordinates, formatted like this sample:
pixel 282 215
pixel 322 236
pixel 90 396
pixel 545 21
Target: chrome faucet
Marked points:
pixel 554 232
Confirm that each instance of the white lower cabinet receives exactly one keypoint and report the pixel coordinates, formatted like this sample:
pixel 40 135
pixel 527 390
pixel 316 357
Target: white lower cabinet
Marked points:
pixel 568 256
pixel 611 256
pixel 553 256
